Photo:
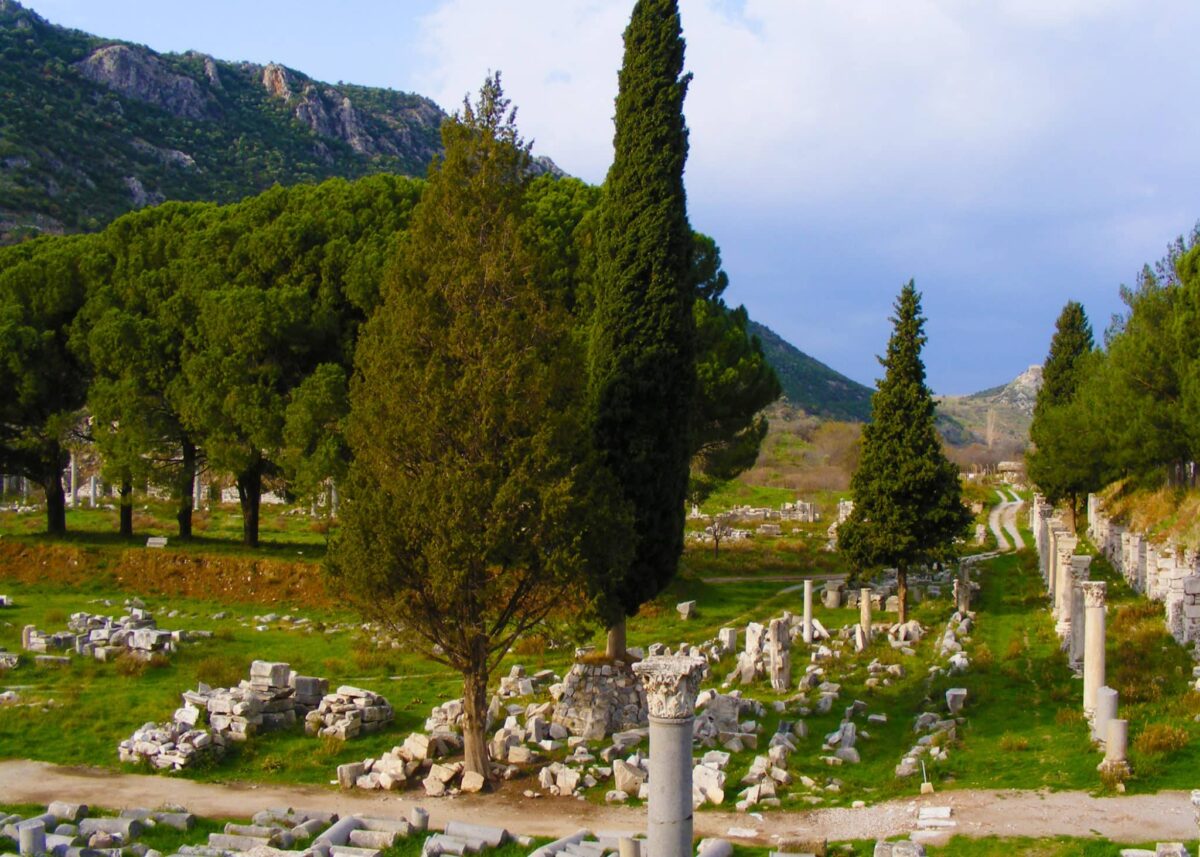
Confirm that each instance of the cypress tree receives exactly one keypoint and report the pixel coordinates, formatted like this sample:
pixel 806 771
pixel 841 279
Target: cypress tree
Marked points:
pixel 907 497
pixel 642 364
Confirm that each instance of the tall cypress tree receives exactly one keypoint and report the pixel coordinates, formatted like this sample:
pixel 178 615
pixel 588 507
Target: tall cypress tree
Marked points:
pixel 642 363
pixel 907 499
pixel 1067 459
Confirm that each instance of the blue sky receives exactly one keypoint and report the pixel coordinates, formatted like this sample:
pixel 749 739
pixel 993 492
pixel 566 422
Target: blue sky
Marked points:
pixel 1009 155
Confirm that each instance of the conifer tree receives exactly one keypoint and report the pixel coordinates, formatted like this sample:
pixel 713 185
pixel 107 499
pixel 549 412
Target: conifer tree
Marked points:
pixel 642 363
pixel 1066 461
pixel 475 503
pixel 1061 372
pixel 907 497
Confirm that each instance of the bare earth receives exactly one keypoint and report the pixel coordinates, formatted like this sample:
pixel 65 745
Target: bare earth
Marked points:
pixel 1003 518
pixel 1164 816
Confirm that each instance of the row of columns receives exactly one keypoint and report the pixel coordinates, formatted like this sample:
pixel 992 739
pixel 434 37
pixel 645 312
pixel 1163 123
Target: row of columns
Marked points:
pixel 1078 605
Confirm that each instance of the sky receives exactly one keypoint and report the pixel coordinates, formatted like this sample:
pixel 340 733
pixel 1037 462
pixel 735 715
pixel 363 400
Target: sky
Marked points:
pixel 1008 155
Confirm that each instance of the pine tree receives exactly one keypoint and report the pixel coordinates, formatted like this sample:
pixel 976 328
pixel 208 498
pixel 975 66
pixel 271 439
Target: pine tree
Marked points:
pixel 475 503
pixel 907 497
pixel 1066 461
pixel 642 363
pixel 1060 374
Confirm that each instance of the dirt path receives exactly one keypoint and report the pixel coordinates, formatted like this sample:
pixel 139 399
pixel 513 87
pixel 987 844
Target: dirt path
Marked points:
pixel 1010 520
pixel 1165 816
pixel 994 523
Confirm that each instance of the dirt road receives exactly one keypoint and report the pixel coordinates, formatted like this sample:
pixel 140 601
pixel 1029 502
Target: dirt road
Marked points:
pixel 1165 816
pixel 1003 519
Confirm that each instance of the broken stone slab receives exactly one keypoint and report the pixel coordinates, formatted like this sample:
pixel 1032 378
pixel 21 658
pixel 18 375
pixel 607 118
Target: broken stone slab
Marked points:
pixel 352 851
pixel 687 609
pixel 956 697
pixel 126 828
pixel 72 813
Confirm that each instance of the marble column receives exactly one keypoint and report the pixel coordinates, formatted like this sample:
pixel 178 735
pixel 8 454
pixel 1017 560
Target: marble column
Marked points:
pixel 779 660
pixel 671 685
pixel 31 838
pixel 73 498
pixel 1062 585
pixel 864 612
pixel 808 611
pixel 197 492
pixel 1094 592
pixel 1106 710
pixel 93 490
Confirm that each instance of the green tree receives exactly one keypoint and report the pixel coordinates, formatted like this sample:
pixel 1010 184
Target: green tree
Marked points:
pixel 475 504
pixel 642 347
pixel 43 385
pixel 734 381
pixel 1065 462
pixel 1061 372
pixel 131 332
pixel 907 497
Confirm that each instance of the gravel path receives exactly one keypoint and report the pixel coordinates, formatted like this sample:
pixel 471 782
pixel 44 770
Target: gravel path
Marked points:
pixel 1010 520
pixel 1164 816
pixel 994 523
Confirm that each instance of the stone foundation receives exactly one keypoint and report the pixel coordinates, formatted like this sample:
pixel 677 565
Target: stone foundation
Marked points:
pixel 595 700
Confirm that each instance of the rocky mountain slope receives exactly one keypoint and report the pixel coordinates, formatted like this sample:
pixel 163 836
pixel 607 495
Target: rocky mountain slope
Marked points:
pixel 810 384
pixel 91 127
pixel 997 416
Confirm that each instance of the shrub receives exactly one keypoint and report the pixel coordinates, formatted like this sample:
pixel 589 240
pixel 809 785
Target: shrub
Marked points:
pixel 1013 743
pixel 1112 779
pixel 55 617
pixel 220 671
pixel 984 660
pixel 1016 648
pixel 1068 717
pixel 129 666
pixel 320 525
pixel 1161 738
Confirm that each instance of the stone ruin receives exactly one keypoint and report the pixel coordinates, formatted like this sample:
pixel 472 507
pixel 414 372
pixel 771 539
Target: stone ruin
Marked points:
pixel 347 713
pixel 105 638
pixel 171 746
pixel 595 700
pixel 1166 573
pixel 1078 607
pixel 275 697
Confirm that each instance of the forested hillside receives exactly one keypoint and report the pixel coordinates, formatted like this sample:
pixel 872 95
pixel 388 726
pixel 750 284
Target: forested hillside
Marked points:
pixel 810 384
pixel 91 128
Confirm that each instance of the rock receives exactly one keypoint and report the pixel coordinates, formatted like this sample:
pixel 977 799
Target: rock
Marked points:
pixel 687 609
pixel 627 778
pixel 955 699
pixel 138 73
pixel 472 782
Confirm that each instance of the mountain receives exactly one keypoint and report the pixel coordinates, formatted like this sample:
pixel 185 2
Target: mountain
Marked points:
pixel 91 128
pixel 997 416
pixel 810 384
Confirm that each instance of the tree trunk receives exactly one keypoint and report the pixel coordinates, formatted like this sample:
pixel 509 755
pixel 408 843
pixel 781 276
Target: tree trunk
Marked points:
pixel 475 709
pixel 186 485
pixel 615 649
pixel 56 504
pixel 249 485
pixel 127 508
pixel 1074 515
pixel 902 594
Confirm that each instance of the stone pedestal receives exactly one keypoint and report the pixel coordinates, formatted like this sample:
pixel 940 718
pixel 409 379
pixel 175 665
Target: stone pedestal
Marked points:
pixel 1115 745
pixel 671 685
pixel 864 612
pixel 1094 594
pixel 808 611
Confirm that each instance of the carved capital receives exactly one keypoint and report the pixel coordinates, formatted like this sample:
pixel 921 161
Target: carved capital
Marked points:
pixel 1094 592
pixel 671 685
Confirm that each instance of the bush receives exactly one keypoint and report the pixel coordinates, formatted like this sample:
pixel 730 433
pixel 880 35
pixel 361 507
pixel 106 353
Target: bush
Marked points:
pixel 1016 648
pixel 983 660
pixel 1160 738
pixel 1013 743
pixel 55 617
pixel 220 671
pixel 1068 717
pixel 130 665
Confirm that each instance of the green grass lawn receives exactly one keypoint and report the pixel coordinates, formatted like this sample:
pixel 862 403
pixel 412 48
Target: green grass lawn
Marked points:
pixel 1023 730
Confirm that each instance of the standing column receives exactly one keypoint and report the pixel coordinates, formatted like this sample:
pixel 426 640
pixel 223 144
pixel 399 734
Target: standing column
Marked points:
pixel 72 500
pixel 671 685
pixel 808 626
pixel 1094 592
pixel 864 612
pixel 92 489
pixel 197 491
pixel 1116 741
pixel 1062 586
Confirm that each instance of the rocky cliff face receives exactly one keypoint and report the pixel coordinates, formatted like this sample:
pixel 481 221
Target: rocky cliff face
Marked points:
pixel 139 74
pixel 92 128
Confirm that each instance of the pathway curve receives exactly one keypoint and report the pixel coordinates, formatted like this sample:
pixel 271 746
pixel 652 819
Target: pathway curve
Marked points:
pixel 1010 519
pixel 994 523
pixel 978 812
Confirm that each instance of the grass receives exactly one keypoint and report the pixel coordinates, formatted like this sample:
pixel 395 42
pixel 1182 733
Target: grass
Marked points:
pixel 1023 729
